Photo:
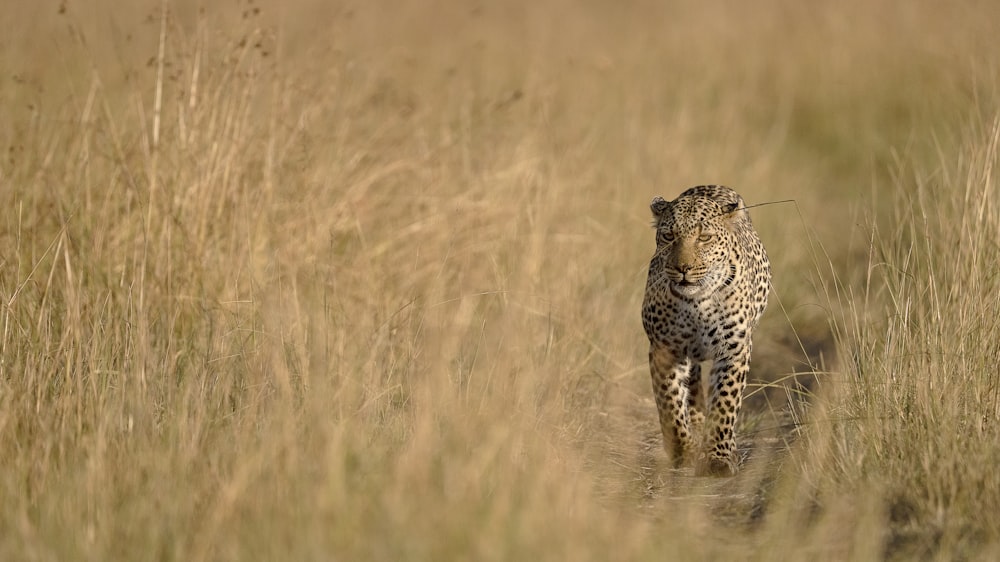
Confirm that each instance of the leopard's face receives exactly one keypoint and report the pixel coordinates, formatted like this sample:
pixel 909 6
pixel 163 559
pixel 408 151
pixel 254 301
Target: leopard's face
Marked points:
pixel 694 246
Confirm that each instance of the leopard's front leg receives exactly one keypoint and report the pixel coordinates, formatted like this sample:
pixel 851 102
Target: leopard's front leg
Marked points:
pixel 728 380
pixel 670 389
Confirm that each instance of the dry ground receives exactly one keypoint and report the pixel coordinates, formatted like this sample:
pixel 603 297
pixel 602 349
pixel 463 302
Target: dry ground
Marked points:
pixel 361 280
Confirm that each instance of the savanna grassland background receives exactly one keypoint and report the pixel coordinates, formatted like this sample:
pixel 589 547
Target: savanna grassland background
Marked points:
pixel 318 280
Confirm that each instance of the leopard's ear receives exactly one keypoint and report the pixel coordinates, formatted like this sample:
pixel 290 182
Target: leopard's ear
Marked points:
pixel 735 210
pixel 659 206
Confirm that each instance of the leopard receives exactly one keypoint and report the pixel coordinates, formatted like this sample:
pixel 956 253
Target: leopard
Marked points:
pixel 707 287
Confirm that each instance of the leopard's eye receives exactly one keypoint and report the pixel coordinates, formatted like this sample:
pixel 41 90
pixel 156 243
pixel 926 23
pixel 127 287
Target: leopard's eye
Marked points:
pixel 706 236
pixel 667 237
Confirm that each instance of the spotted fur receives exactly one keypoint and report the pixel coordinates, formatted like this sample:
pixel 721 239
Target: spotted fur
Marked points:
pixel 707 288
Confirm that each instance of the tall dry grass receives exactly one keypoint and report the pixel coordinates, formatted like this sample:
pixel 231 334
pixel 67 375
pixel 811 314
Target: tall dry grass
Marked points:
pixel 313 281
pixel 921 352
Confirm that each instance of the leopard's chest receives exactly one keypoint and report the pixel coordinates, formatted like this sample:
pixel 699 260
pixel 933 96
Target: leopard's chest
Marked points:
pixel 699 329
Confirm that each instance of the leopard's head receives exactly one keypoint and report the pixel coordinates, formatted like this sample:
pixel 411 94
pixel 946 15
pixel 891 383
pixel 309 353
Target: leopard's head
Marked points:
pixel 695 239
